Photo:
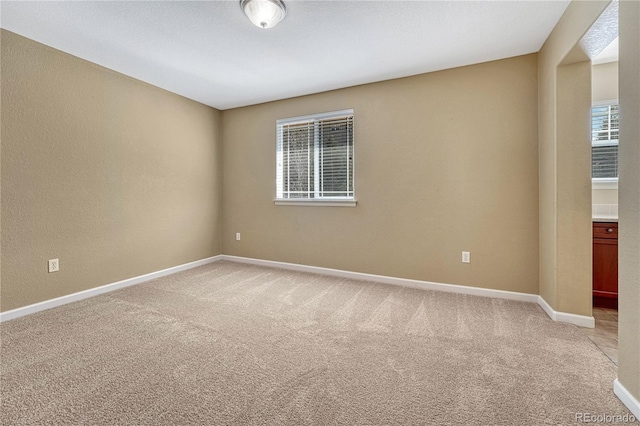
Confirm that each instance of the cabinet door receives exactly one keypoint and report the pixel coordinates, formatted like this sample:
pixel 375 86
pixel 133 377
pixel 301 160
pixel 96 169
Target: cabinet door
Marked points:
pixel 605 272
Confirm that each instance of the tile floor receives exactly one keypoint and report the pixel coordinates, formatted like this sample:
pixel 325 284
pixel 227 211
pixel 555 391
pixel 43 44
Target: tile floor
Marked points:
pixel 605 334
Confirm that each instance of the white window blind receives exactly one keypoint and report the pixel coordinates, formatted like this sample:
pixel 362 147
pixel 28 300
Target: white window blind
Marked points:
pixel 314 157
pixel 604 141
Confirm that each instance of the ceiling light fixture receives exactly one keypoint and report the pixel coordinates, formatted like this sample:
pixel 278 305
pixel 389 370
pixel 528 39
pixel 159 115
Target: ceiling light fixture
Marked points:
pixel 264 13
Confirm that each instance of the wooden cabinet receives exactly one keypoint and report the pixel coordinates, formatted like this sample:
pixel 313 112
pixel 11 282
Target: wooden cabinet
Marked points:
pixel 605 264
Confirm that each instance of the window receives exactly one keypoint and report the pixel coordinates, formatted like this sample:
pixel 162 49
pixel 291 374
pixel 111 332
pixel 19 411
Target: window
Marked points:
pixel 314 159
pixel 604 141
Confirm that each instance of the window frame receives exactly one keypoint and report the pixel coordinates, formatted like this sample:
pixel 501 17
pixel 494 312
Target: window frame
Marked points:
pixel 320 201
pixel 604 183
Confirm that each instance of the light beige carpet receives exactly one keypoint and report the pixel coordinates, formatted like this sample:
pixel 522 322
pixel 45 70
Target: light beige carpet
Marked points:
pixel 230 344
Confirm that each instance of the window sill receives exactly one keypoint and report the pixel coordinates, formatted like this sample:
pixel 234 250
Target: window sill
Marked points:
pixel 316 203
pixel 604 183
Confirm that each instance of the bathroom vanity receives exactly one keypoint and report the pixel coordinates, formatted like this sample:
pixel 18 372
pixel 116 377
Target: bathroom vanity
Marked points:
pixel 605 264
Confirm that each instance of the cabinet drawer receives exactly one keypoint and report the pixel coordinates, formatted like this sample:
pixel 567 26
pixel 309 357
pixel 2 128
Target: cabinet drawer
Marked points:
pixel 605 230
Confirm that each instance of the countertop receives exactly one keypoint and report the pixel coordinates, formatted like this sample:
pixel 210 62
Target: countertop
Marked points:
pixel 605 218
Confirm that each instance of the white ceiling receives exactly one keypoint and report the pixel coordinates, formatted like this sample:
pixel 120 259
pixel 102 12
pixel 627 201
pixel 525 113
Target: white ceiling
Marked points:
pixel 210 52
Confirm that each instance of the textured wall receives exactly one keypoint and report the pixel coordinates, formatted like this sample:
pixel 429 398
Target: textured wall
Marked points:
pixel 114 177
pixel 445 162
pixel 556 167
pixel 629 246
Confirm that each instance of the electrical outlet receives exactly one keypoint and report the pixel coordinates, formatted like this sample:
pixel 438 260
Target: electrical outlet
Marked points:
pixel 54 265
pixel 466 257
pixel 237 236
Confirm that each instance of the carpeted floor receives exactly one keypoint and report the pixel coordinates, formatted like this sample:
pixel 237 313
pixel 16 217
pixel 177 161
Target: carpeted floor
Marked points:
pixel 229 343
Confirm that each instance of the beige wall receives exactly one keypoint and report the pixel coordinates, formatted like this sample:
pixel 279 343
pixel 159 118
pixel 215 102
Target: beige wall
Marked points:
pixel 604 82
pixel 573 189
pixel 445 162
pixel 629 245
pixel 565 199
pixel 114 177
pixel 604 87
pixel 1 37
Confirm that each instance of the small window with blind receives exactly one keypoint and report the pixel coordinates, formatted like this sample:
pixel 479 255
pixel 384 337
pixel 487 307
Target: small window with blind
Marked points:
pixel 604 141
pixel 314 159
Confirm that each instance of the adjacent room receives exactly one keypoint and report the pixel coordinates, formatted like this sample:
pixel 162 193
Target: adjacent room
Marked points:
pixel 320 212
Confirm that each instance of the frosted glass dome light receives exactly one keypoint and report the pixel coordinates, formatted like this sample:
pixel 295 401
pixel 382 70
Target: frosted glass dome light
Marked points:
pixel 264 13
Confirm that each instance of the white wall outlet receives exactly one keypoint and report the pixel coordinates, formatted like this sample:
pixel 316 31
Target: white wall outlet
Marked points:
pixel 54 265
pixel 466 257
pixel 237 236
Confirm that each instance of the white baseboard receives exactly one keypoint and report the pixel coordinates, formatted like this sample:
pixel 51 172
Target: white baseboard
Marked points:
pixel 579 320
pixel 627 399
pixel 63 300
pixel 424 285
